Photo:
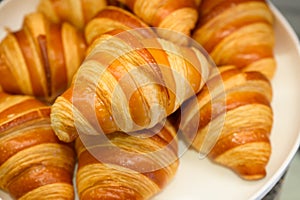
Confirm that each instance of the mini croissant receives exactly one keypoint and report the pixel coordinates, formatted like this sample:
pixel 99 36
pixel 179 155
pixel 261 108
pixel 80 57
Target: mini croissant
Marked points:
pixel 76 12
pixel 243 110
pixel 238 33
pixel 128 83
pixel 126 166
pixel 34 164
pixel 41 58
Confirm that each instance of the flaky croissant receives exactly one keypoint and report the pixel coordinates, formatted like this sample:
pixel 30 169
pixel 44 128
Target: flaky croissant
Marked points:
pixel 34 164
pixel 180 16
pixel 76 12
pixel 125 166
pixel 237 121
pixel 128 83
pixel 41 58
pixel 238 33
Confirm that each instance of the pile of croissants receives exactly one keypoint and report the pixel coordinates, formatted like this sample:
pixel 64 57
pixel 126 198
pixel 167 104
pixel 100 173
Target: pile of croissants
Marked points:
pixel 108 87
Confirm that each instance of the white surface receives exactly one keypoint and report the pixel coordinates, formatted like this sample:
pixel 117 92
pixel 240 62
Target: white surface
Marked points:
pixel 201 179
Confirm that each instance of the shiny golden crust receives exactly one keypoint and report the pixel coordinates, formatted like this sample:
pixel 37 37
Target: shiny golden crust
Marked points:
pixel 175 73
pixel 243 143
pixel 34 164
pixel 41 58
pixel 130 168
pixel 76 12
pixel 238 32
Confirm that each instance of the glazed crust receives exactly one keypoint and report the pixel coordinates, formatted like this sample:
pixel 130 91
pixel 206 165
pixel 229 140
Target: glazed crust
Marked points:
pixel 179 16
pixel 126 166
pixel 41 58
pixel 33 162
pixel 76 12
pixel 238 32
pixel 243 108
pixel 115 69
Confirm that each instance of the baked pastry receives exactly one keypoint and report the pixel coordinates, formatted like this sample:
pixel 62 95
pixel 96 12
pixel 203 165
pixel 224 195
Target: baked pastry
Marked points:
pixel 112 18
pixel 34 164
pixel 122 166
pixel 179 16
pixel 233 128
pixel 128 82
pixel 41 58
pixel 76 12
pixel 238 33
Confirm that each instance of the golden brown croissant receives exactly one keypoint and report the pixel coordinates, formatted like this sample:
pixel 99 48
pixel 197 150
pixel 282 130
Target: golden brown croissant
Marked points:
pixel 128 83
pixel 240 124
pixel 41 58
pixel 180 16
pixel 125 166
pixel 34 164
pixel 109 19
pixel 238 32
pixel 76 12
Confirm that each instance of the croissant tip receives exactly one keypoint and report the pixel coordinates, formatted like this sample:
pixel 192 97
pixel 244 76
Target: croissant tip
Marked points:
pixel 255 176
pixel 63 136
pixel 251 173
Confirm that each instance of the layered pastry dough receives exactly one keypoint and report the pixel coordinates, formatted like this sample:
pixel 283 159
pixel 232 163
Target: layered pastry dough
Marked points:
pixel 41 58
pixel 238 120
pixel 179 16
pixel 238 32
pixel 34 164
pixel 112 18
pixel 128 82
pixel 76 12
pixel 126 166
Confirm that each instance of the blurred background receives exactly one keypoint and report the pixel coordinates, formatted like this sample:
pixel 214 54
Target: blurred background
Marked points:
pixel 291 10
pixel 290 188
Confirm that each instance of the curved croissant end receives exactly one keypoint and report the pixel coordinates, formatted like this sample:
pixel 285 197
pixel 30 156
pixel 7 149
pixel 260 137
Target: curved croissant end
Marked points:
pixel 34 164
pixel 243 143
pixel 76 12
pixel 126 166
pixel 40 49
pixel 147 82
pixel 238 32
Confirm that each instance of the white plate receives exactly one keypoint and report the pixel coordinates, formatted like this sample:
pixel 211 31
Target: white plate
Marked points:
pixel 201 179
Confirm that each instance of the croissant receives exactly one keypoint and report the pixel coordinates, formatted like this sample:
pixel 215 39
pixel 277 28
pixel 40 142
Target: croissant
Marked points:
pixel 238 33
pixel 112 18
pixel 125 166
pixel 128 82
pixel 179 16
pixel 76 12
pixel 41 58
pixel 34 164
pixel 232 128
